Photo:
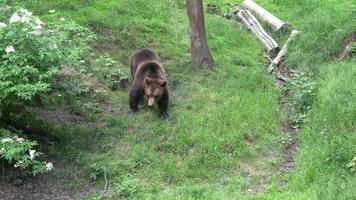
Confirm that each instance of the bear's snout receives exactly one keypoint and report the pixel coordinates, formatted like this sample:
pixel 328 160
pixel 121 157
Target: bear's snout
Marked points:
pixel 151 101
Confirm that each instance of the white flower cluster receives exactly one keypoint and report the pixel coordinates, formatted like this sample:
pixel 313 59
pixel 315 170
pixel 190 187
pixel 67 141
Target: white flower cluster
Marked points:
pixel 26 17
pixel 2 25
pixel 23 16
pixel 10 49
pixel 19 139
pixel 11 140
pixel 5 140
pixel 32 154
pixel 49 166
pixel 16 165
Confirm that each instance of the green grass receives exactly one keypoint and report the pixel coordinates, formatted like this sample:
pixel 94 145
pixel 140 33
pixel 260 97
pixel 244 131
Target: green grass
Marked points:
pixel 328 136
pixel 328 141
pixel 322 25
pixel 223 136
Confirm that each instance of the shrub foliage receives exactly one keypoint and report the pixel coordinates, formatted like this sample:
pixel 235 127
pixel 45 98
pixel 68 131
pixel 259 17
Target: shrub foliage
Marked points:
pixel 31 53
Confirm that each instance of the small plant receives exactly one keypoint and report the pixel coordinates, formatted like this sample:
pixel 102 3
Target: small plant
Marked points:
pixel 82 89
pixel 109 62
pixel 20 152
pixel 352 165
pixel 302 90
pixel 286 140
pixel 127 187
pixel 111 71
pixel 93 107
pixel 298 119
pixel 96 170
pixel 104 60
pixel 118 79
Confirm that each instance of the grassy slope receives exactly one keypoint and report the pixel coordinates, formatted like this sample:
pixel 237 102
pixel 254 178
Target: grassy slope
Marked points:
pixel 222 122
pixel 328 141
pixel 202 151
pixel 328 137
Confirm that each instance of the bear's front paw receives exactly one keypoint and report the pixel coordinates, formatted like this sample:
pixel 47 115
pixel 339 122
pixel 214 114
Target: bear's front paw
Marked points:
pixel 132 111
pixel 164 115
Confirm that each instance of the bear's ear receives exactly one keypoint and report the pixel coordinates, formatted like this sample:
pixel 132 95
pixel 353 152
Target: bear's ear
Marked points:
pixel 163 83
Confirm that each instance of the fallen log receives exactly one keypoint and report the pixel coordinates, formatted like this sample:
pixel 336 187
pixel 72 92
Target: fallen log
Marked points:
pixel 282 52
pixel 275 23
pixel 347 46
pixel 251 22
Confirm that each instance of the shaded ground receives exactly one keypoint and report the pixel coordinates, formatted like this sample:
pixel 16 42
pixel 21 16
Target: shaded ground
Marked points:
pixel 65 184
pixel 290 148
pixel 60 117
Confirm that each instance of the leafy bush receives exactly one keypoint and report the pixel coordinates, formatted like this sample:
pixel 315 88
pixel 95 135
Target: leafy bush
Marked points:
pixel 31 53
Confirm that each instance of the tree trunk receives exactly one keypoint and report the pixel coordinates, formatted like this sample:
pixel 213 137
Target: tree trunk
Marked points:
pixel 201 55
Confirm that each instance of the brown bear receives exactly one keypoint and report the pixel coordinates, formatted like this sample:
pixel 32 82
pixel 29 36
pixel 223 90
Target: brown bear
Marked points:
pixel 148 81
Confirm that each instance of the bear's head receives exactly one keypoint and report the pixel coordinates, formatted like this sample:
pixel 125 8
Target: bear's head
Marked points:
pixel 154 89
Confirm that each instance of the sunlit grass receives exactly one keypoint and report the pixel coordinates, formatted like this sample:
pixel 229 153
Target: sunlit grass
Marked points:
pixel 221 120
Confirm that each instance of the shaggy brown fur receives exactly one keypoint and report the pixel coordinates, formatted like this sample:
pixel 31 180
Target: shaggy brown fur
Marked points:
pixel 149 81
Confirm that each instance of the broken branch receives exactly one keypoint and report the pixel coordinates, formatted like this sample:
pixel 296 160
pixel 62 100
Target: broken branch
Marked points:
pixel 347 46
pixel 282 52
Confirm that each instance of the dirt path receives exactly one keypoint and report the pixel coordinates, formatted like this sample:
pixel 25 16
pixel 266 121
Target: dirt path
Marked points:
pixel 291 147
pixel 292 142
